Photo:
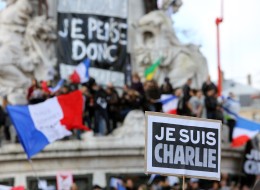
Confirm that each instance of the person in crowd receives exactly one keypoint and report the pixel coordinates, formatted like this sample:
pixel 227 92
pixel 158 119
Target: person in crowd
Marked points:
pixel 193 184
pixel 5 119
pixel 224 183
pixel 86 119
pixel 186 97
pixel 173 182
pixel 142 187
pixel 37 95
pixel 208 85
pixel 137 84
pixel 130 100
pixel 152 95
pixel 65 89
pixel 74 187
pixel 215 186
pixel 101 113
pixel 180 107
pixel 166 87
pixel 2 116
pixel 245 187
pixel 91 105
pixel 113 103
pixel 86 105
pixel 31 88
pixel 219 113
pixel 211 104
pixel 96 187
pixel 159 183
pixel 197 103
pixel 232 107
pixel 129 184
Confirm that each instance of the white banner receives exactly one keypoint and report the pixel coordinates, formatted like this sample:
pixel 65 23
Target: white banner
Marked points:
pixel 113 8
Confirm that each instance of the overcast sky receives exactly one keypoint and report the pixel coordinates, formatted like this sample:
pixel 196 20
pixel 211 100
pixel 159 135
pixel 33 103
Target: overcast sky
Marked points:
pixel 240 35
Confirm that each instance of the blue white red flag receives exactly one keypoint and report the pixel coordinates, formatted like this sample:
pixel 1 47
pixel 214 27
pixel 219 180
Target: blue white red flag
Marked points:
pixel 81 74
pixel 41 124
pixel 169 103
pixel 57 87
pixel 244 130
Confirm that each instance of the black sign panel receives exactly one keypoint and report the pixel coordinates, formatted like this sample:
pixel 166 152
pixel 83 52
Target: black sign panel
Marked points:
pixel 189 147
pixel 103 39
pixel 251 164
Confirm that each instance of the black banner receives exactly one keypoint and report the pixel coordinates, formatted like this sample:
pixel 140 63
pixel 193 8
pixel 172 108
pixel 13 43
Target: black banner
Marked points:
pixel 185 147
pixel 103 39
pixel 251 164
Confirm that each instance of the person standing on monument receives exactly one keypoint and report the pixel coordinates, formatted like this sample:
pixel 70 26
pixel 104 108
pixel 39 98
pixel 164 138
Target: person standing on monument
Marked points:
pixel 152 94
pixel 113 103
pixel 166 87
pixel 211 104
pixel 208 85
pixel 186 97
pixel 137 84
pixel 101 114
pixel 233 105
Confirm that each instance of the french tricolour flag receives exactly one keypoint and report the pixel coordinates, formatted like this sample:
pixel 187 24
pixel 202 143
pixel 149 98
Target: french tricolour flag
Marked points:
pixel 244 130
pixel 169 103
pixel 80 74
pixel 41 124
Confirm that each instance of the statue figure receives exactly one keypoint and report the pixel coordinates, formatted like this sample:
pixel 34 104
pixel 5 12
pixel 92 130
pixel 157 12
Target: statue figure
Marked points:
pixel 27 49
pixel 156 38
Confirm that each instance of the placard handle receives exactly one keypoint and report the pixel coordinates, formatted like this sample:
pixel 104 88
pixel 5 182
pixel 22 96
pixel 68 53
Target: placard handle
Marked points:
pixel 183 182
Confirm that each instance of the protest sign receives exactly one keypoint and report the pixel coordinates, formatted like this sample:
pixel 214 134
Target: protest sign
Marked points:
pixel 94 29
pixel 183 146
pixel 251 165
pixel 64 180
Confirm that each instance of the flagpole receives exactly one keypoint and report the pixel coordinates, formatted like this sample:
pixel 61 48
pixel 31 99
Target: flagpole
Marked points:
pixel 35 172
pixel 218 21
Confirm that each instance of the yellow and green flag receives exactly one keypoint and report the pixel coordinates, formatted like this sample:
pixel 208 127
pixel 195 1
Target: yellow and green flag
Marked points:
pixel 150 71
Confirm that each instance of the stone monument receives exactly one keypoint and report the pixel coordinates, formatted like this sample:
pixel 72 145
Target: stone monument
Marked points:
pixel 156 38
pixel 27 49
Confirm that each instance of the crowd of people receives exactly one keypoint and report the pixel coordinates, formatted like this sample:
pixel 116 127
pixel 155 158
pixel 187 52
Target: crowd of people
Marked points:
pixel 157 182
pixel 105 107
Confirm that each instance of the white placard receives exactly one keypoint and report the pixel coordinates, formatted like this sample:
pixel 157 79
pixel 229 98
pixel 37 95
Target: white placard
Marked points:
pixel 183 146
pixel 64 180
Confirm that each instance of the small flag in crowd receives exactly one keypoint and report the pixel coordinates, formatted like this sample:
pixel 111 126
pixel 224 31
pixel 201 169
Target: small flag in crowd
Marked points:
pixel 46 88
pixel 150 71
pixel 41 124
pixel 169 103
pixel 3 187
pixel 57 87
pixel 80 74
